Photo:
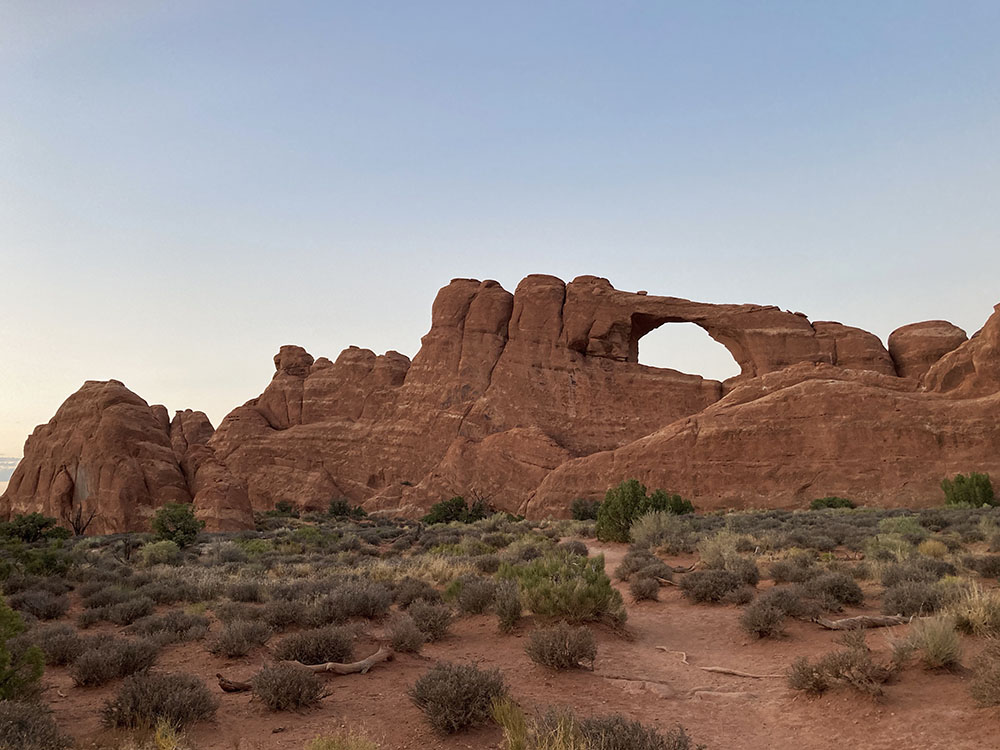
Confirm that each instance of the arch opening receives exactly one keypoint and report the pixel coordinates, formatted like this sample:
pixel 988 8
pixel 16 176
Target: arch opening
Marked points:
pixel 686 347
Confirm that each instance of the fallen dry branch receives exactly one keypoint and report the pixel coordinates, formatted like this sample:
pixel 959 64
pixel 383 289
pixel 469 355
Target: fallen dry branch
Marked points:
pixel 232 686
pixel 665 581
pixel 862 621
pixel 737 673
pixel 383 654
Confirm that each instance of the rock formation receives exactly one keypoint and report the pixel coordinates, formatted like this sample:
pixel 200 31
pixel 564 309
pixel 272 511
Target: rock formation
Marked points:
pixel 535 398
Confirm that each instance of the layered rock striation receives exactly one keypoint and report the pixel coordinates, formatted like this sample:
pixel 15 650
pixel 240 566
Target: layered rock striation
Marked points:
pixel 534 398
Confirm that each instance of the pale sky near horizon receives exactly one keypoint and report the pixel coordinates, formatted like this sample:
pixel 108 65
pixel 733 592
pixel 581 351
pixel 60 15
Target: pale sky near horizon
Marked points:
pixel 186 186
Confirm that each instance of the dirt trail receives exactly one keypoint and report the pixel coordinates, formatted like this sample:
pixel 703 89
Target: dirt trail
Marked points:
pixel 632 676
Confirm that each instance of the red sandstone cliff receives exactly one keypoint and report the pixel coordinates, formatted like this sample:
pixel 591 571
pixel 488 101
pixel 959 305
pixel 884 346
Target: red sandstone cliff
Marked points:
pixel 535 398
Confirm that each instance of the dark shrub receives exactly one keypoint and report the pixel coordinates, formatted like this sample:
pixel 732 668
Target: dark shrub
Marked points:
pixel 172 627
pixel 644 589
pixel 129 611
pixel 642 561
pixel 29 726
pixel 317 646
pixel 807 677
pixel 287 687
pixel 112 658
pixel 456 509
pixel 625 503
pixel 60 643
pixel 762 619
pixel 575 547
pixel 246 591
pixel 834 590
pixel 32 527
pixel 105 597
pixel 281 613
pixel 791 600
pixel 582 509
pixel 487 563
pixel 988 566
pixel 229 611
pixel 924 570
pixel 40 603
pixel 238 637
pixel 20 664
pixel 434 620
pixel 710 585
pixel 352 599
pixel 911 598
pixel 796 569
pixel 404 635
pixel 148 697
pixel 410 589
pixel 507 604
pixel 562 647
pixel 830 502
pixel 175 522
pixel 985 686
pixel 619 733
pixel 745 568
pixel 974 490
pixel 454 697
pixel 473 595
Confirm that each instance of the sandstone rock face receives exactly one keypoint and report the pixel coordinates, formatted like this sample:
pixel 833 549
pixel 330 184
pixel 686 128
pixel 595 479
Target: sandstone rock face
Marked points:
pixel 534 398
pixel 107 450
pixel 916 347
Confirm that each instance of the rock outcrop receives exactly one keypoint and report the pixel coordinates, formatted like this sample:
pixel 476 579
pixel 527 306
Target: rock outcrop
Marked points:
pixel 534 398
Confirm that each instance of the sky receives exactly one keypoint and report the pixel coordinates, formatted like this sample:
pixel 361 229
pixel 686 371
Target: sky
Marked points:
pixel 186 186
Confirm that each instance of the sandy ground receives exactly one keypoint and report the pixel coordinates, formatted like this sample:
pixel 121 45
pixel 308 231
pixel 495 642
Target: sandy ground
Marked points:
pixel 643 677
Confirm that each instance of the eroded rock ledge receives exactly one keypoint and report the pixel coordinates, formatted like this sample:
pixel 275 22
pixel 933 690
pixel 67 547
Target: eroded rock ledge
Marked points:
pixel 535 398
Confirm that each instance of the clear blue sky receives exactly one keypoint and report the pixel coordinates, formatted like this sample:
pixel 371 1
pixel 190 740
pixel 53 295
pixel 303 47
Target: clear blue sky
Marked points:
pixel 186 186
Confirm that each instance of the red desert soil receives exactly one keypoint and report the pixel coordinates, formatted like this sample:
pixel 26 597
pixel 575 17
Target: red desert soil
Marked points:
pixel 634 677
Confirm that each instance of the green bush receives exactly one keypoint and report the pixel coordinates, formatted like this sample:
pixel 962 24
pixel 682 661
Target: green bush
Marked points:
pixel 164 552
pixel 287 687
pixel 625 503
pixel 456 509
pixel 146 698
pixel 644 589
pixel 175 522
pixel 33 527
pixel 562 647
pixel 582 509
pixel 569 586
pixel 659 529
pixel 834 590
pixel 972 491
pixel 508 605
pixel 20 664
pixel 343 509
pixel 29 726
pixel 831 502
pixel 454 697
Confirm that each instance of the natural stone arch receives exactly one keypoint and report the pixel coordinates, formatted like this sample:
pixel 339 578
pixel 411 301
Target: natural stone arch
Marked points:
pixel 681 339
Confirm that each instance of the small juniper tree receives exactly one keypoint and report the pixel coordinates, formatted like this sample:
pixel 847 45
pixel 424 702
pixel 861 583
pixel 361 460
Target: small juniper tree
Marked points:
pixel 175 522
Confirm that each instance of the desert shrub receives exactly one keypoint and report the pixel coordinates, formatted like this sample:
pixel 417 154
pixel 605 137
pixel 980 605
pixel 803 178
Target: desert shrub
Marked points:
pixel 127 612
pixel 245 591
pixel 922 569
pixel 907 528
pixel 976 611
pixel 821 503
pixel 111 658
pixel 238 637
pixel 834 590
pixel 988 566
pixel 105 597
pixel 911 598
pixel 932 548
pixel 625 503
pixel 40 603
pixel 972 491
pixel 985 685
pixel 434 620
pixel 20 664
pixel 938 642
pixel 60 643
pixel 409 589
pixel 487 564
pixel 456 509
pixel 472 594
pixel 32 527
pixel 808 677
pixel 562 646
pixel 619 733
pixel 575 547
pixel 146 698
pixel 508 605
pixel 176 522
pixel 762 619
pixel 352 599
pixel 29 726
pixel 642 561
pixel 164 552
pixel 286 687
pixel 228 611
pixel 172 627
pixel 793 601
pixel 569 586
pixel 582 509
pixel 404 635
pixel 282 613
pixel 644 589
pixel 454 697
pixel 317 646
pixel 710 585
pixel 794 569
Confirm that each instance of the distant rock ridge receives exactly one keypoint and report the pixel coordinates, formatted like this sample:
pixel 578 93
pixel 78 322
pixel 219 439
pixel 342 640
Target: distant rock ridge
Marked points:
pixel 534 398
